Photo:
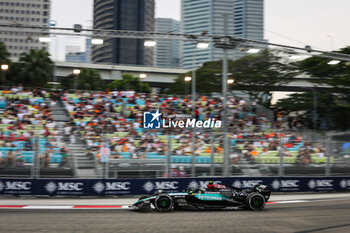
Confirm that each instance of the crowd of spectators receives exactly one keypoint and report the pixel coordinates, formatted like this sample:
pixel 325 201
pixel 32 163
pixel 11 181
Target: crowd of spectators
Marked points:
pixel 27 117
pixel 118 116
pixel 113 113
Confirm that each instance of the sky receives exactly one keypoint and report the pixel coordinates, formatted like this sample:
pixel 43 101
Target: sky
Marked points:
pixel 323 24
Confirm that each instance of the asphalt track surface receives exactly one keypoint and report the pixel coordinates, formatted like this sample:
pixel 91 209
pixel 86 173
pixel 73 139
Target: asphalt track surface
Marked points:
pixel 326 215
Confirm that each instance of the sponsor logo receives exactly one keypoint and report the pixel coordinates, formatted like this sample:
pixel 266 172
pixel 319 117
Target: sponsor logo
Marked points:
pixel 320 184
pixel 201 184
pixel 209 198
pixel 117 186
pixel 246 183
pixel 16 185
pixel 99 187
pixel 50 187
pixel 153 120
pixel 111 186
pixel 148 186
pixel 164 185
pixel 63 186
pixel 344 183
pixel 285 184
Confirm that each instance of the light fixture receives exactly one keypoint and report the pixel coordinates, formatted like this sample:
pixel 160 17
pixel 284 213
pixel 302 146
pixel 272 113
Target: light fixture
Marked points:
pixel 143 76
pixel 295 57
pixel 52 23
pixel 76 71
pixel 202 45
pixel 150 43
pixel 4 67
pixel 230 81
pixel 253 50
pixel 53 83
pixel 45 39
pixel 188 78
pixel 333 62
pixel 96 41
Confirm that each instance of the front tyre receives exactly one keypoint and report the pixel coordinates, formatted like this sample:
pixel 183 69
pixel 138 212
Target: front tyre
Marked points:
pixel 163 203
pixel 255 201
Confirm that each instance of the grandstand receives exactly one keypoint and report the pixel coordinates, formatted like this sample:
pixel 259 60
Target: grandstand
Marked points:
pixel 57 133
pixel 30 135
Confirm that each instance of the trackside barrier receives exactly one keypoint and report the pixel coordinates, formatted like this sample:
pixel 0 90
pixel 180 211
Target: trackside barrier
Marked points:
pixel 105 187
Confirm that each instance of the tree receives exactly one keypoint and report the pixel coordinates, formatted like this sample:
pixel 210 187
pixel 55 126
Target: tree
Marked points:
pixel 206 80
pixel 36 68
pixel 4 55
pixel 129 82
pixel 264 69
pixel 88 79
pixel 337 76
pixel 301 105
pixel 4 59
pixel 334 105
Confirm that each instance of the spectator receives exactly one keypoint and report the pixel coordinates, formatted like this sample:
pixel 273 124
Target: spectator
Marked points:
pixel 10 159
pixel 45 160
pixel 19 159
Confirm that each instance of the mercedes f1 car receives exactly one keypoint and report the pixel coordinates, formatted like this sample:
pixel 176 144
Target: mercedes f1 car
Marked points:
pixel 216 196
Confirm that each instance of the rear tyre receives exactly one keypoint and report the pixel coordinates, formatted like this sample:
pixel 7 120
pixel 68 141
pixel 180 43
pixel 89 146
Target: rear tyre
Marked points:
pixel 163 203
pixel 255 201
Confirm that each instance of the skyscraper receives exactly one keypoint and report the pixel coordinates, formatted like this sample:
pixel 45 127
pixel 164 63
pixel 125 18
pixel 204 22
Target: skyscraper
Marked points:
pixel 167 52
pixel 28 13
pixel 132 15
pixel 244 19
pixel 78 56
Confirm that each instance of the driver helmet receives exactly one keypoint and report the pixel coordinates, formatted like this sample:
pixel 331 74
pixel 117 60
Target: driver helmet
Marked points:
pixel 210 185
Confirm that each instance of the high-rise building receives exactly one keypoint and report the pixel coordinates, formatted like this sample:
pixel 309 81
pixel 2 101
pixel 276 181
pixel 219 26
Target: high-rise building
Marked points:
pixel 77 56
pixel 245 18
pixel 167 52
pixel 132 15
pixel 28 13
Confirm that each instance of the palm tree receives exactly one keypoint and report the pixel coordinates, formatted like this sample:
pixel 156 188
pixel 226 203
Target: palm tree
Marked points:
pixel 37 68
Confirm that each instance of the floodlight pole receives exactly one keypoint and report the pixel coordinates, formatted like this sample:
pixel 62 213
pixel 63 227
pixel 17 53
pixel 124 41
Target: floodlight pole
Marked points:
pixel 224 94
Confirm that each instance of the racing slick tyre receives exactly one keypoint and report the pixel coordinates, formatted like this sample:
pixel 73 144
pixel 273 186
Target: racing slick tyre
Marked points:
pixel 255 201
pixel 163 203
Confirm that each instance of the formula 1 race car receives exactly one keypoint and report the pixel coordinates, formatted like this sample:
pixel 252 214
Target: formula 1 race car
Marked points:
pixel 216 196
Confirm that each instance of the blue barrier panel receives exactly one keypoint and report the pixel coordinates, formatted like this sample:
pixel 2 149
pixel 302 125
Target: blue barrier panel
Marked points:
pixel 104 187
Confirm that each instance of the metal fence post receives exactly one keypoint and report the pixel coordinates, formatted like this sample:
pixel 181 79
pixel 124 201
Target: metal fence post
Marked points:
pixel 212 150
pixel 225 155
pixel 33 170
pixel 329 136
pixel 193 164
pixel 168 159
pixel 36 160
pixel 281 154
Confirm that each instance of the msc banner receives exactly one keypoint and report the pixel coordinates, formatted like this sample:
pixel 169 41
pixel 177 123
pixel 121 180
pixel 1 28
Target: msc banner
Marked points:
pixel 104 187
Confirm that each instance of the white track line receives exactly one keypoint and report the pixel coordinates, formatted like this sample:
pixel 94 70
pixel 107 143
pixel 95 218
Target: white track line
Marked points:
pixel 46 207
pixel 292 201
